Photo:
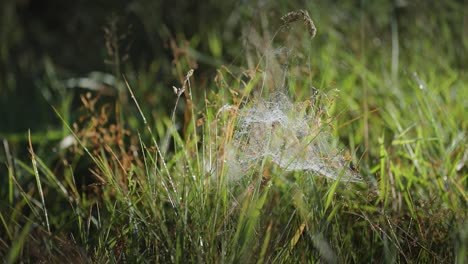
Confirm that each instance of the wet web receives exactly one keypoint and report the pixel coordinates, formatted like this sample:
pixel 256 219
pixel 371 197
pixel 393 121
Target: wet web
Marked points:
pixel 287 133
pixel 291 136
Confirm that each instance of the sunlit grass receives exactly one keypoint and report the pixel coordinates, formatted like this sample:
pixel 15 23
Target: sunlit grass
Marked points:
pixel 151 186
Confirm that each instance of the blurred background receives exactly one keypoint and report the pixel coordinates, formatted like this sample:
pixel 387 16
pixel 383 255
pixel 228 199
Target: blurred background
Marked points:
pixel 45 43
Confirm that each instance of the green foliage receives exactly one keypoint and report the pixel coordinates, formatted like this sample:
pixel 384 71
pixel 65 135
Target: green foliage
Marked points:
pixel 137 184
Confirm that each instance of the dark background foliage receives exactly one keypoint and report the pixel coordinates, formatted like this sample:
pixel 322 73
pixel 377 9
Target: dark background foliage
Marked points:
pixel 70 37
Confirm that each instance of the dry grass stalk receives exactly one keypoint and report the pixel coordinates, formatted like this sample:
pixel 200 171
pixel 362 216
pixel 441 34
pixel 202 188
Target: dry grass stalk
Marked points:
pixel 298 15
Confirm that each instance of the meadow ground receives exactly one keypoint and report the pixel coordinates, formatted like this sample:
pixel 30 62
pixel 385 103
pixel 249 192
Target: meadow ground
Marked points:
pixel 344 147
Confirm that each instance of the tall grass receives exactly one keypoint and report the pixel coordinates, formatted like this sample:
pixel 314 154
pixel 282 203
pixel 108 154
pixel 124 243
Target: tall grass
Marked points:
pixel 140 186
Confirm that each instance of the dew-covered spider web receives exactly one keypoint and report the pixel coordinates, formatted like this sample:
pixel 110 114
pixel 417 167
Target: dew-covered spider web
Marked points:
pixel 290 134
pixel 291 137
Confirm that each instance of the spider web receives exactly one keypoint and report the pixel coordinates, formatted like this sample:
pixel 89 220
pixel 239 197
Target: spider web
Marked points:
pixel 287 133
pixel 290 136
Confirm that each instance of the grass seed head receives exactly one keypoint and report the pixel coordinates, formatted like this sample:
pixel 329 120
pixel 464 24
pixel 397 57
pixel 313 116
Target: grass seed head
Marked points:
pixel 294 16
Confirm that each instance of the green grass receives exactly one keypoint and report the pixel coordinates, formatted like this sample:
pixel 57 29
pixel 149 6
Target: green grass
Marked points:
pixel 142 186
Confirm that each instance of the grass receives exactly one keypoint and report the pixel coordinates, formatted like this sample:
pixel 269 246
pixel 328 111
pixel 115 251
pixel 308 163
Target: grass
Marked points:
pixel 140 185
